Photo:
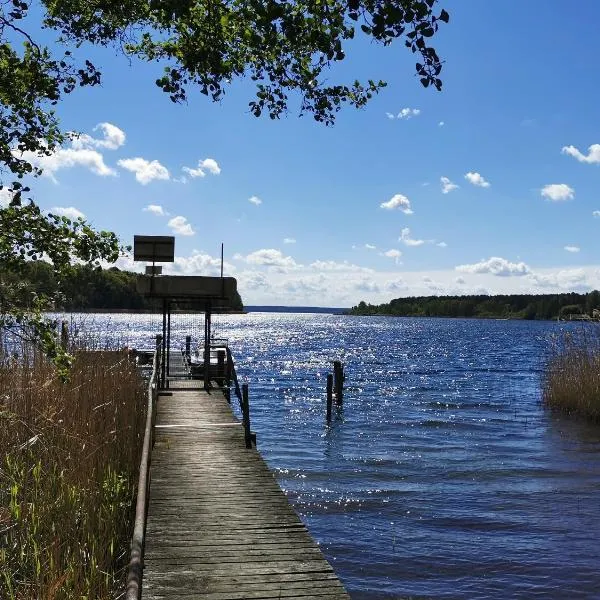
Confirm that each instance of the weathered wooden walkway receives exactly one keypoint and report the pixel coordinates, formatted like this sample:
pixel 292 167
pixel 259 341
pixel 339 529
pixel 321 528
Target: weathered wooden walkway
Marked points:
pixel 219 527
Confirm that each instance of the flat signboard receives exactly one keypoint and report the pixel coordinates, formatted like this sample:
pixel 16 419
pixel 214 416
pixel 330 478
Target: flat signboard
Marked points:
pixel 154 248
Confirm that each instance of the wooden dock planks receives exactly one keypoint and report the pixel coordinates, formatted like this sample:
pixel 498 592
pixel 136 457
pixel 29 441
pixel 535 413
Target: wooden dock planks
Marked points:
pixel 219 527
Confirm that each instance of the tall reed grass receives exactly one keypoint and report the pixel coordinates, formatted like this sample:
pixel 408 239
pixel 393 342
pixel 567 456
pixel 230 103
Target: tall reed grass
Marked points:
pixel 572 378
pixel 69 455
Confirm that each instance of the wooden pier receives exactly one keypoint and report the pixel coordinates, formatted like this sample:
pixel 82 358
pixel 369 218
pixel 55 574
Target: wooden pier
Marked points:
pixel 218 525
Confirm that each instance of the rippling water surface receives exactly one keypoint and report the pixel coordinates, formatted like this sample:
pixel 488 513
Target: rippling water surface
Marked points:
pixel 442 476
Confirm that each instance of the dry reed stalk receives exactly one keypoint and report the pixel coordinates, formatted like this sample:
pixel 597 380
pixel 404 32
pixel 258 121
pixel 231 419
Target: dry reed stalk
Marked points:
pixel 572 378
pixel 70 453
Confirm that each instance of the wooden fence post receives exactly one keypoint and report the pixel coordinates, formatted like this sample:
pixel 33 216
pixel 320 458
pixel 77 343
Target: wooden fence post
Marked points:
pixel 246 415
pixel 329 395
pixel 338 377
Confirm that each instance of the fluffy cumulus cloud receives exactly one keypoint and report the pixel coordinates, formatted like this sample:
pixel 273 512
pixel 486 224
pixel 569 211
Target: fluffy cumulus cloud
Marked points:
pixel 405 113
pixel 400 202
pixel 289 240
pixel 441 244
pixel 145 171
pixel 392 253
pixel 197 263
pixel 209 165
pixel 269 257
pixel 496 266
pixel 5 197
pixel 67 211
pixel 592 157
pixel 477 179
pixel 558 192
pixel 407 240
pixel 447 185
pixel 596 213
pixel 332 265
pixel 395 285
pixel 573 249
pixel 180 226
pixel 255 200
pixel 66 158
pixel 112 138
pixel 156 209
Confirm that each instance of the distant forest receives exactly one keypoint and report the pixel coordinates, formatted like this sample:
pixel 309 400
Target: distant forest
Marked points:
pixel 85 288
pixel 510 306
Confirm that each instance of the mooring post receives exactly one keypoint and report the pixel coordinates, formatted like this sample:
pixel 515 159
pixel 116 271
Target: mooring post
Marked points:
pixel 246 415
pixel 221 366
pixel 329 395
pixel 188 346
pixel 338 377
pixel 64 335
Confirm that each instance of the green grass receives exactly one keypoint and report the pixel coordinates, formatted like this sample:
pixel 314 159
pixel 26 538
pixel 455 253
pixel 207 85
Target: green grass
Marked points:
pixel 69 454
pixel 572 378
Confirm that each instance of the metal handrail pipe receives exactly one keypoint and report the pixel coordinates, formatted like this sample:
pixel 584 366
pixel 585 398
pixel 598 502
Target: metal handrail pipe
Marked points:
pixel 136 561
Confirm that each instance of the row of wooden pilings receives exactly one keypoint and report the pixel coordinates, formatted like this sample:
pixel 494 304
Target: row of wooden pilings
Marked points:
pixel 335 387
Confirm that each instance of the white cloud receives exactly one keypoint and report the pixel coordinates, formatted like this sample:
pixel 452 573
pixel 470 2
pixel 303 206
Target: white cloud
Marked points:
pixel 592 157
pixel 405 113
pixel 208 164
pixel 407 240
pixel 65 158
pixel 596 213
pixel 496 266
pixel 5 197
pixel 332 265
pixel 395 285
pixel 558 192
pixel 113 138
pixel 392 253
pixel 156 209
pixel 145 171
pixel 198 263
pixel 441 124
pixel 400 202
pixel 370 247
pixel 442 244
pixel 180 226
pixel 255 200
pixel 477 179
pixel 408 113
pixel 289 240
pixel 572 249
pixel 447 185
pixel 460 280
pixel 269 257
pixel 67 211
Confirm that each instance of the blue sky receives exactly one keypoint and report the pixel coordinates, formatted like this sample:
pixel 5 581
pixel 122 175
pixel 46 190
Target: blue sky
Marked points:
pixel 486 187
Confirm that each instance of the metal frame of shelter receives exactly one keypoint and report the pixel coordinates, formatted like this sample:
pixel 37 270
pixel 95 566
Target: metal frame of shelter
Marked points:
pixel 208 295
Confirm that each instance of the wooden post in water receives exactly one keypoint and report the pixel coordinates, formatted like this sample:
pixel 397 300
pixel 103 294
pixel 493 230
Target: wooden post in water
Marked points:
pixel 246 415
pixel 338 381
pixel 188 346
pixel 329 395
pixel 64 335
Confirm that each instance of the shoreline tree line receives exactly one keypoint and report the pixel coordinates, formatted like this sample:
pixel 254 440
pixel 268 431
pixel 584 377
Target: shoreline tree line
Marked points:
pixel 83 288
pixel 504 306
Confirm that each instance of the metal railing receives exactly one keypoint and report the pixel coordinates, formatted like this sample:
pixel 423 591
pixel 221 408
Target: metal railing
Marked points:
pixel 242 395
pixel 136 561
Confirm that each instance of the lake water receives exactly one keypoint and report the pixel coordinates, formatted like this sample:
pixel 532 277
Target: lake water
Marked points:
pixel 442 476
